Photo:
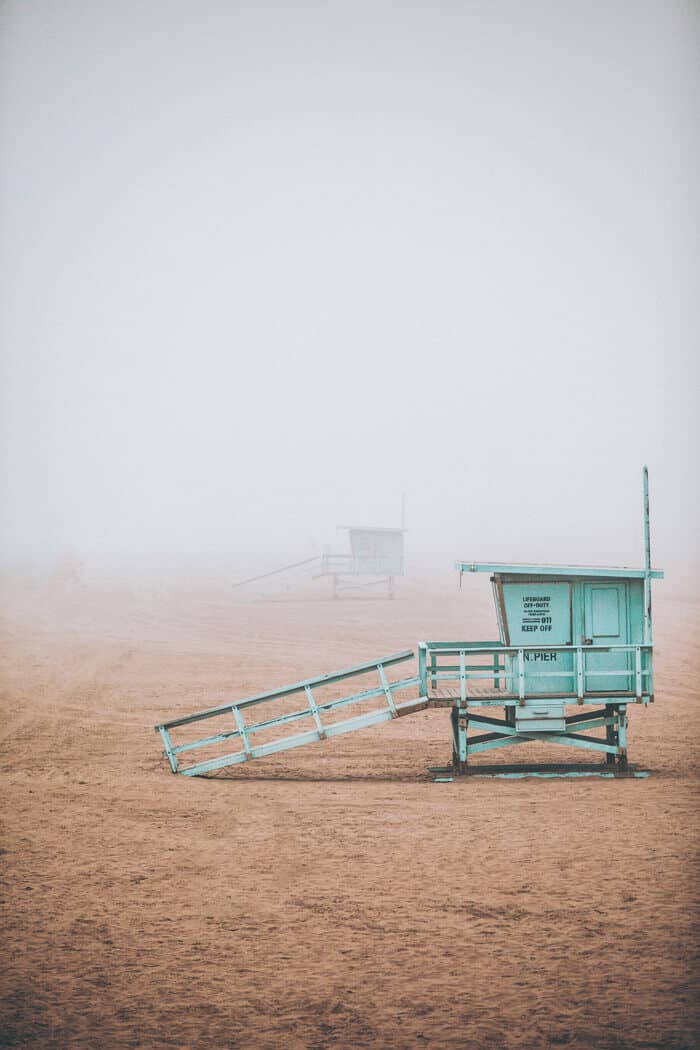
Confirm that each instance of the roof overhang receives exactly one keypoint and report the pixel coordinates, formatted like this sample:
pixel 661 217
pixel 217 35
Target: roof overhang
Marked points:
pixel 497 568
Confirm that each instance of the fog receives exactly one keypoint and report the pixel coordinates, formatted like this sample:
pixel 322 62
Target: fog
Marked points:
pixel 266 268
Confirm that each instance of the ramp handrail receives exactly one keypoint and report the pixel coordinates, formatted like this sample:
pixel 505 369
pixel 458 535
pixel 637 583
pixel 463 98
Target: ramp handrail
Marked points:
pixel 313 709
pixel 288 690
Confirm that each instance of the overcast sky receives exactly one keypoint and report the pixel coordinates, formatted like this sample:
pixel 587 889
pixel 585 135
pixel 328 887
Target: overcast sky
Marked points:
pixel 265 267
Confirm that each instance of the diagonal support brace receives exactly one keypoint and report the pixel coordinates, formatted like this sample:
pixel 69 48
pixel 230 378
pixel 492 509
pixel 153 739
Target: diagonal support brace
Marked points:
pixel 315 712
pixel 387 691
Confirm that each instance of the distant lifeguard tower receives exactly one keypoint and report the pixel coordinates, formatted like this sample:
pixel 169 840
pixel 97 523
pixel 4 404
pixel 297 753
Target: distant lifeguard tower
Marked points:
pixel 376 558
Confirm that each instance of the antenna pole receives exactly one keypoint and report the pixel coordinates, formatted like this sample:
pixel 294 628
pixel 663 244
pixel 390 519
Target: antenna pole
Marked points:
pixel 647 561
pixel 647 540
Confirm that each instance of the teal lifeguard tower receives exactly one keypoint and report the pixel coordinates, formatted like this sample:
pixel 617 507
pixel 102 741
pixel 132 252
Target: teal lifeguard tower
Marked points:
pixel 569 637
pixel 574 652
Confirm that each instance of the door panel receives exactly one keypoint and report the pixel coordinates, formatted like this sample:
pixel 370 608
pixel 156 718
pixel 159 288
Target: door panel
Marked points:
pixel 605 623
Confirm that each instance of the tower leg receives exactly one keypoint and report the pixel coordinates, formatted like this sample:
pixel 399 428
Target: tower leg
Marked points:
pixel 622 737
pixel 460 722
pixel 611 734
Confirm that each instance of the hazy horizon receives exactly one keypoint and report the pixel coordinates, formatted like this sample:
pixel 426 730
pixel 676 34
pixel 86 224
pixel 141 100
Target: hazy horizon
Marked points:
pixel 265 268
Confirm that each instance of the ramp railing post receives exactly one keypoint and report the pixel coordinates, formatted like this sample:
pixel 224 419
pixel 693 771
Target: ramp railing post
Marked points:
pixel 422 669
pixel 579 674
pixel 462 680
pixel 521 677
pixel 242 730
pixel 314 711
pixel 638 673
pixel 167 743
pixel 387 691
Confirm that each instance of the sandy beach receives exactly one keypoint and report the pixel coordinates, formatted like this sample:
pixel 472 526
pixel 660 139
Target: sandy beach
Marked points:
pixel 332 896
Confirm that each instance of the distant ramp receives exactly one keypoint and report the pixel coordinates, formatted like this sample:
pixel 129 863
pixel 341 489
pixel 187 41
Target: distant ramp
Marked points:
pixel 275 572
pixel 273 728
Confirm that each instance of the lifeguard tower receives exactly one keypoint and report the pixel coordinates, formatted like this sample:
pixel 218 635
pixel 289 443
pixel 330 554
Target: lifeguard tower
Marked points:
pixel 376 558
pixel 570 637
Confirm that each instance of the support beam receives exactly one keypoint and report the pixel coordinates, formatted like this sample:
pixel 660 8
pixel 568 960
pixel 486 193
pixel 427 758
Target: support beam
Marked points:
pixel 313 707
pixel 387 691
pixel 242 730
pixel 169 750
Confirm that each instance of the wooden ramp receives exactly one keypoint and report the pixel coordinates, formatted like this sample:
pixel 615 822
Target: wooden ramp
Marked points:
pixel 317 713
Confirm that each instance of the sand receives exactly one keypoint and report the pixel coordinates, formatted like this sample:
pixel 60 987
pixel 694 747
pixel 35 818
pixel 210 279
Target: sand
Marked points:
pixel 332 896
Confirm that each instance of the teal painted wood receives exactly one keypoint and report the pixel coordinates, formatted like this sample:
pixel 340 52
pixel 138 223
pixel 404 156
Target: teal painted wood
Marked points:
pixel 607 622
pixel 422 669
pixel 350 725
pixel 622 736
pixel 456 647
pixel 489 745
pixel 293 716
pixel 488 726
pixel 565 571
pixel 584 684
pixel 288 690
pixel 640 775
pixel 500 733
pixel 242 732
pixel 461 738
pixel 314 710
pixel 567 739
pixel 510 702
pixel 170 751
pixel 387 691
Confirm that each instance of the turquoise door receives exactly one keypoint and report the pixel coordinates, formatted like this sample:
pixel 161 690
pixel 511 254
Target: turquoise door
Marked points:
pixel 606 623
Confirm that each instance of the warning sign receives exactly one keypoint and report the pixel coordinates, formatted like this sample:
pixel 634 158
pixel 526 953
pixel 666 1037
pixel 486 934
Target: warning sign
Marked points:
pixel 537 613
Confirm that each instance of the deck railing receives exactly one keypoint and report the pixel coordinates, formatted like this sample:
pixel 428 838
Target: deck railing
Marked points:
pixel 433 670
pixel 361 565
